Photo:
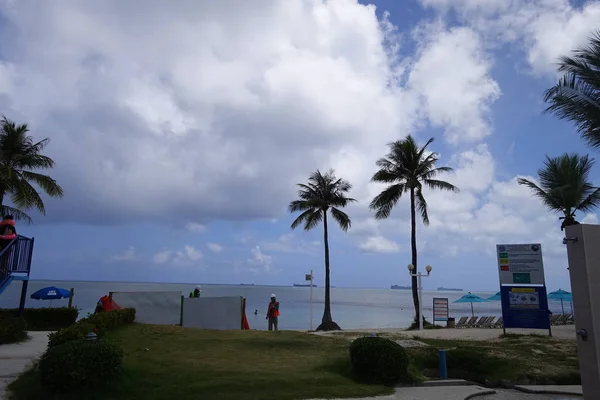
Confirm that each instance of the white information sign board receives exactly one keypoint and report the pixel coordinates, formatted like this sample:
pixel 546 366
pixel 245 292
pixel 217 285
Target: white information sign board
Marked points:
pixel 520 264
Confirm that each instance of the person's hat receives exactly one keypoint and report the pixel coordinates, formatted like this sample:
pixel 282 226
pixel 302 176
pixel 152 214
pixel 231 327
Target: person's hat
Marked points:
pixel 198 287
pixel 8 220
pixel 272 295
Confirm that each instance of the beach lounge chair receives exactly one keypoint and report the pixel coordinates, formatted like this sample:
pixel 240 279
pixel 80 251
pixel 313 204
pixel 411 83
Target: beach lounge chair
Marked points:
pixel 566 319
pixel 478 322
pixel 487 323
pixel 561 319
pixel 570 320
pixel 470 323
pixel 554 318
pixel 461 322
pixel 499 323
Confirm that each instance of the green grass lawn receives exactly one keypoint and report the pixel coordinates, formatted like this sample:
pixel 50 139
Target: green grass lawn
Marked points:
pixel 519 359
pixel 195 364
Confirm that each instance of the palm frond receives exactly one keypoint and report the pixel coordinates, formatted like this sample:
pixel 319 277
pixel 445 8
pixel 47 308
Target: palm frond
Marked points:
pixel 341 218
pixel 385 201
pixel 16 213
pixel 576 96
pixel 548 200
pixel 422 206
pixel 323 191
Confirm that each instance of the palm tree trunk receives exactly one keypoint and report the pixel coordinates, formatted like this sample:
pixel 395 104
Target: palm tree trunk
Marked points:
pixel 413 245
pixel 327 323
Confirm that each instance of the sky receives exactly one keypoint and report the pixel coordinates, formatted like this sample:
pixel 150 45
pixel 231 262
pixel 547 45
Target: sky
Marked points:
pixel 181 129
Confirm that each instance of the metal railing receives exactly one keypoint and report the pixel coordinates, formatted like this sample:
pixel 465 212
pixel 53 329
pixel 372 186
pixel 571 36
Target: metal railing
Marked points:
pixel 16 257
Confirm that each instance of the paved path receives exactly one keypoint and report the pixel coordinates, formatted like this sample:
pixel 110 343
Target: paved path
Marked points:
pixel 563 332
pixel 516 395
pixel 15 358
pixel 431 393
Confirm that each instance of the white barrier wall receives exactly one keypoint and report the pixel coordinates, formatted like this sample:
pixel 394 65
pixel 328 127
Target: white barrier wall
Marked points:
pixel 224 313
pixel 161 308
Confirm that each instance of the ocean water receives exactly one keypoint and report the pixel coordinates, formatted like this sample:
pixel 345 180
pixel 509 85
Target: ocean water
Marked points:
pixel 351 308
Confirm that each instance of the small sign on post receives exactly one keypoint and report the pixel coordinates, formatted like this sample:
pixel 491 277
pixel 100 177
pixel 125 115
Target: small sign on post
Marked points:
pixel 520 264
pixel 440 309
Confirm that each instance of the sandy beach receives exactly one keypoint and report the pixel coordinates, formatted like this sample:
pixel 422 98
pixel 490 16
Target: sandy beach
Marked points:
pixel 562 332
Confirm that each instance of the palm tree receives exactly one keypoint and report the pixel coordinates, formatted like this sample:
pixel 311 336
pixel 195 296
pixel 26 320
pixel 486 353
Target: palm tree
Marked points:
pixel 322 193
pixel 565 187
pixel 576 96
pixel 19 159
pixel 407 168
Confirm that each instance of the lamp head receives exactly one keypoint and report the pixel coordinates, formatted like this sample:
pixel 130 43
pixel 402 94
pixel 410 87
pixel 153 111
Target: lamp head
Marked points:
pixel 428 269
pixel 410 268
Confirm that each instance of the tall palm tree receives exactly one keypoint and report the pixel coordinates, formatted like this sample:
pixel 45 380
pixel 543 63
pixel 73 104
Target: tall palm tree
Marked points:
pixel 20 157
pixel 407 168
pixel 565 187
pixel 322 193
pixel 576 96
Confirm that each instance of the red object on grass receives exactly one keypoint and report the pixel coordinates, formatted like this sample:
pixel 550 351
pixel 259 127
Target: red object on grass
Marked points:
pixel 246 324
pixel 109 304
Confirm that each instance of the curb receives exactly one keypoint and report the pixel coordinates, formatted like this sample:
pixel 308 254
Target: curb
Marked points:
pixel 547 391
pixel 484 392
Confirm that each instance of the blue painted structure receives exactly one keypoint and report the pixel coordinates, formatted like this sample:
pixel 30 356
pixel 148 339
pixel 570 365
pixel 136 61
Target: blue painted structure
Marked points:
pixel 15 265
pixel 527 309
pixel 442 366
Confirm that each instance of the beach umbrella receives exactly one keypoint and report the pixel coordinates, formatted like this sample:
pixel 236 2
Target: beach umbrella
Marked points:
pixel 495 297
pixel 471 298
pixel 51 293
pixel 562 295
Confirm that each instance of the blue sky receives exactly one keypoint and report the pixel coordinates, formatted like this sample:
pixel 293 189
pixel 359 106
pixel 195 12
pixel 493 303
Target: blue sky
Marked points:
pixel 179 151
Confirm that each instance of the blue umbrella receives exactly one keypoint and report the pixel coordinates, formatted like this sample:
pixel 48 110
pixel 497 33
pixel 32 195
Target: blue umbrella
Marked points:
pixel 496 297
pixel 51 293
pixel 471 298
pixel 562 295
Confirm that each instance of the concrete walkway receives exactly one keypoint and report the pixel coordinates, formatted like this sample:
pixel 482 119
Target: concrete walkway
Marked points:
pixel 464 392
pixel 15 358
pixel 432 393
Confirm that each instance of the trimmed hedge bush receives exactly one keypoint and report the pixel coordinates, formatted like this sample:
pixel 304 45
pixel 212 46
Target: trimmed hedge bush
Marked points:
pixel 12 329
pixel 99 323
pixel 80 364
pixel 45 319
pixel 379 360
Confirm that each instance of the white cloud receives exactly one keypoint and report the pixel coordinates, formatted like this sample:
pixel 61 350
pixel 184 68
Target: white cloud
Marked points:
pixel 163 257
pixel 259 262
pixel 545 29
pixel 289 243
pixel 195 227
pixel 456 97
pixel 379 244
pixel 214 247
pixel 161 117
pixel 127 255
pixel 187 255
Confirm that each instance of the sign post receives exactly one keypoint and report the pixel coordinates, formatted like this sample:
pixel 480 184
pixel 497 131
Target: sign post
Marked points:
pixel 523 287
pixel 310 279
pixel 440 309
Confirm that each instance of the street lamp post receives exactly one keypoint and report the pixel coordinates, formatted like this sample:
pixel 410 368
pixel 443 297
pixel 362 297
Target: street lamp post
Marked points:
pixel 419 275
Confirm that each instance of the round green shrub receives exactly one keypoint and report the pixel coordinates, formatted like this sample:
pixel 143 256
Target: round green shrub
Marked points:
pixel 80 364
pixel 379 360
pixel 12 329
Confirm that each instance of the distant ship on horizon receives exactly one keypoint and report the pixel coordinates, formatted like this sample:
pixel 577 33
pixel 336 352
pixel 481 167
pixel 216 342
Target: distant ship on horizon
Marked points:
pixel 398 287
pixel 445 289
pixel 246 284
pixel 304 285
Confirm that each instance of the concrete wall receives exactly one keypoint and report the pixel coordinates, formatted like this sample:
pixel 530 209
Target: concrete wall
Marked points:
pixel 161 308
pixel 584 269
pixel 213 313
